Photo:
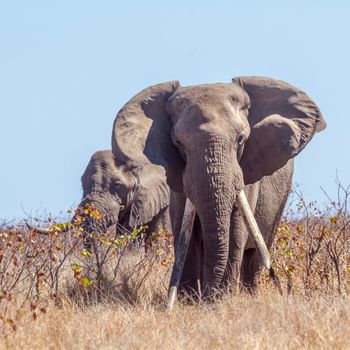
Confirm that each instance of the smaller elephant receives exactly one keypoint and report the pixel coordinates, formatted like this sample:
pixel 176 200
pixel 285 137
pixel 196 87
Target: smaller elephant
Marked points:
pixel 122 196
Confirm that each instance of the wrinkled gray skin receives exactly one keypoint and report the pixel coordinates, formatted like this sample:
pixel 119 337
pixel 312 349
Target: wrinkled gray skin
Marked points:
pixel 210 142
pixel 267 199
pixel 118 194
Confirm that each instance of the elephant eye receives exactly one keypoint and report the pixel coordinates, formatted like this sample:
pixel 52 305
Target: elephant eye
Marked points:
pixel 241 139
pixel 117 186
pixel 245 109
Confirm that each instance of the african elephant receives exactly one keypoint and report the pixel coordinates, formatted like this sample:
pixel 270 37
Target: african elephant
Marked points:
pixel 211 142
pixel 120 195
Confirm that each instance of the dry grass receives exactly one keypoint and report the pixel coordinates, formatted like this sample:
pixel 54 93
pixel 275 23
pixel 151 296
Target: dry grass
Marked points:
pixel 55 296
pixel 263 321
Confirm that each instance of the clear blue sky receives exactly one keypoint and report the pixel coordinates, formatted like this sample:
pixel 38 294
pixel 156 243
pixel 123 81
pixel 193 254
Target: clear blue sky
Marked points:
pixel 67 67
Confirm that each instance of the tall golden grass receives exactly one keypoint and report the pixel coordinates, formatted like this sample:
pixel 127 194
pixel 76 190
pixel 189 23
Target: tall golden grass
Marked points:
pixel 55 294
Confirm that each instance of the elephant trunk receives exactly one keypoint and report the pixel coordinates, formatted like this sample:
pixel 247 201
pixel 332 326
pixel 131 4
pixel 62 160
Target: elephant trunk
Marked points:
pixel 214 192
pixel 102 214
pixel 95 217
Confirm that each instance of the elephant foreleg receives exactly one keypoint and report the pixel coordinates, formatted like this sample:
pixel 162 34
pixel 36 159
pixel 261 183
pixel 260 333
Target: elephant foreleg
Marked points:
pixel 238 239
pixel 272 198
pixel 251 269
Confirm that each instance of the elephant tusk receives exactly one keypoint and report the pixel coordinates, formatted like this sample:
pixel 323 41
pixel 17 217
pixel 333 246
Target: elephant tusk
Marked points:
pixel 249 219
pixel 46 230
pixel 41 230
pixel 181 251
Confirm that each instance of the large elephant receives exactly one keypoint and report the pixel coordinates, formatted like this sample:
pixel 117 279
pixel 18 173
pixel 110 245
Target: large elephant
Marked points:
pixel 211 142
pixel 121 195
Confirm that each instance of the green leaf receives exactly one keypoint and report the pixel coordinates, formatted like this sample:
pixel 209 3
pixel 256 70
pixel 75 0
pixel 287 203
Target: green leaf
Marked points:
pixel 85 281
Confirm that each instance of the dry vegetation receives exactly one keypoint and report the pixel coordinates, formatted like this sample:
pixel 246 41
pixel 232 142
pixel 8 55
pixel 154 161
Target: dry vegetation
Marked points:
pixel 54 294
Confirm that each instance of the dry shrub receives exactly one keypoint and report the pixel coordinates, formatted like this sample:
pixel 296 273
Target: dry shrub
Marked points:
pixel 312 247
pixel 54 293
pixel 38 270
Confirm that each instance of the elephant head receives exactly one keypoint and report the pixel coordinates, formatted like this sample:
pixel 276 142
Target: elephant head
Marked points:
pixel 120 195
pixel 107 188
pixel 209 141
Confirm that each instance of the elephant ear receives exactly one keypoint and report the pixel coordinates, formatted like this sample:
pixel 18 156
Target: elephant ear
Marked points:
pixel 142 128
pixel 282 118
pixel 152 194
pixel 141 140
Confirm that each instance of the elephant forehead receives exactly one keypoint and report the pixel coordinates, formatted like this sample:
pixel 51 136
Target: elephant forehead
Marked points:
pixel 212 95
pixel 212 109
pixel 103 155
pixel 104 165
pixel 103 170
